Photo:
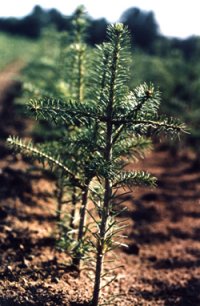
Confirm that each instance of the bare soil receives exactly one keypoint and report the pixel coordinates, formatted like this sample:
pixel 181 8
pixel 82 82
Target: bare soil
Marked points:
pixel 161 265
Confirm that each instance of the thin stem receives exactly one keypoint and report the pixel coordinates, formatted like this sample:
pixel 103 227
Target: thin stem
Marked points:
pixel 108 186
pixel 59 205
pixel 100 245
pixel 73 211
pixel 59 195
pixel 83 209
pixel 80 74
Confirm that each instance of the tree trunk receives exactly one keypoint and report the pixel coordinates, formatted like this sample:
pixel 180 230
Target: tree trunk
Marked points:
pixel 100 245
pixel 59 205
pixel 73 211
pixel 77 259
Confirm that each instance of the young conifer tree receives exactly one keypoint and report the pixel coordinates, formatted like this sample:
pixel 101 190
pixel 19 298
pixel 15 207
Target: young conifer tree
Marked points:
pixel 120 119
pixel 59 147
pixel 122 115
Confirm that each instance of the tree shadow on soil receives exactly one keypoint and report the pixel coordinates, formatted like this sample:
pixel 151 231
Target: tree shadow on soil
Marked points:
pixel 37 295
pixel 146 236
pixel 17 183
pixel 142 213
pixel 176 263
pixel 15 239
pixel 186 295
pixel 14 183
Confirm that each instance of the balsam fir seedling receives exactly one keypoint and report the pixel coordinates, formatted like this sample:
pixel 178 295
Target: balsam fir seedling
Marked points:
pixel 111 124
pixel 58 149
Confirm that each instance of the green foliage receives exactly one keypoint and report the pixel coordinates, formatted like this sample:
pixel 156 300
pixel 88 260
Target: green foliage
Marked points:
pixel 135 178
pixel 15 48
pixel 29 149
pixel 175 70
pixel 102 124
pixel 45 66
pixel 120 114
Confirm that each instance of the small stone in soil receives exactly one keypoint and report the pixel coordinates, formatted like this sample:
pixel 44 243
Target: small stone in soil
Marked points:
pixel 24 264
pixel 30 257
pixel 21 247
pixel 9 269
pixel 55 280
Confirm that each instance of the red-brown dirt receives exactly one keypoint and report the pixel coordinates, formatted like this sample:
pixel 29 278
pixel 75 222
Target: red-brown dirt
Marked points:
pixel 161 265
